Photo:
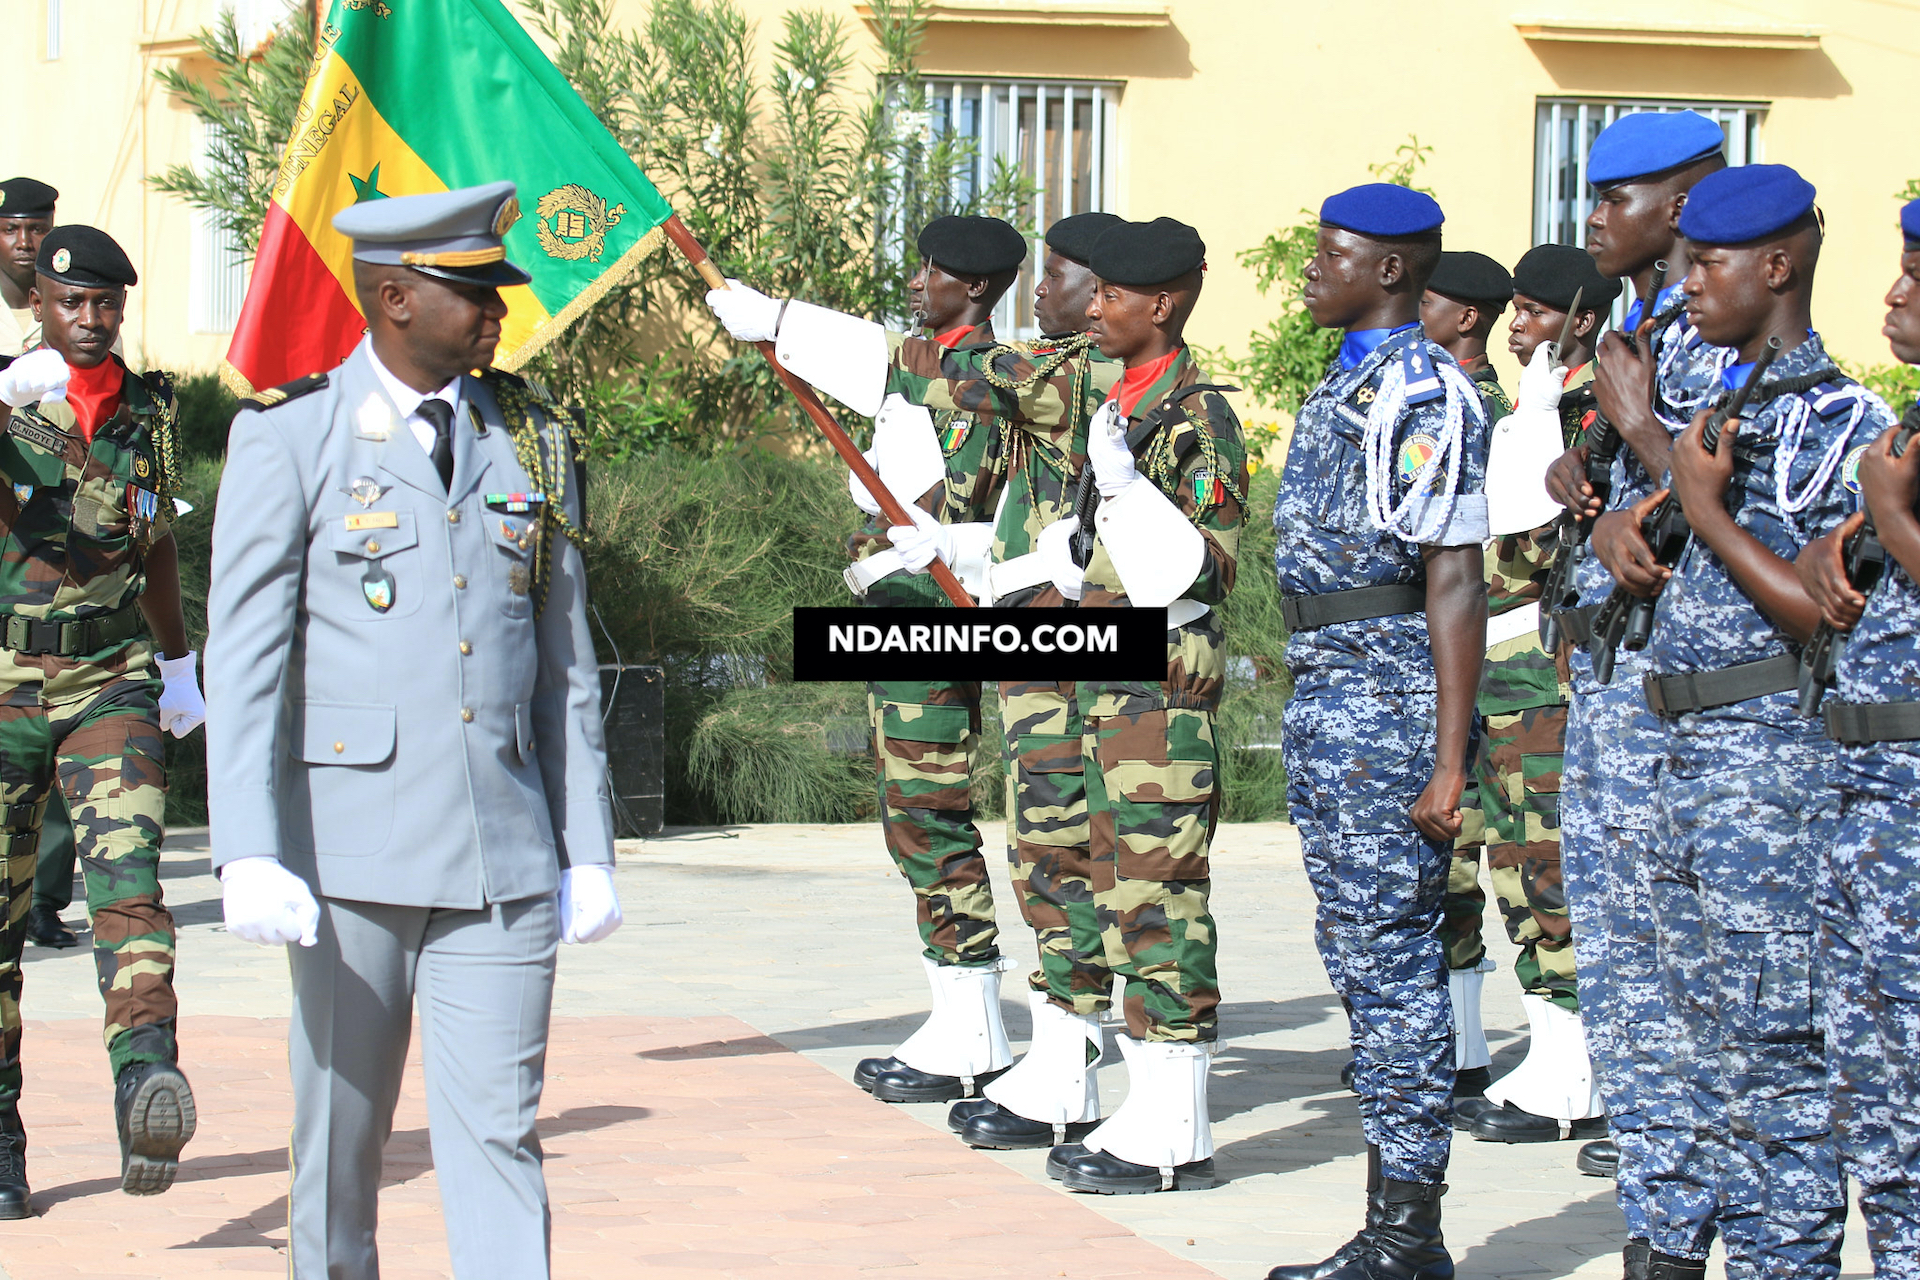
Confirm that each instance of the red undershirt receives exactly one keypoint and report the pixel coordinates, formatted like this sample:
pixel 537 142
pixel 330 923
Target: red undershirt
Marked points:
pixel 1134 382
pixel 951 338
pixel 94 395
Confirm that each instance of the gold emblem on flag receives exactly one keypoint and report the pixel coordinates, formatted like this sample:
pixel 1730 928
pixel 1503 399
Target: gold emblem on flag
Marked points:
pixel 574 223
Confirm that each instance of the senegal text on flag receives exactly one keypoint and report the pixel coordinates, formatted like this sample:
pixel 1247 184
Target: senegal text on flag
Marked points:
pixel 428 95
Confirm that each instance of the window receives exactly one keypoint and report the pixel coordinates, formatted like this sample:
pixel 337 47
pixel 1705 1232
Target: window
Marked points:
pixel 53 30
pixel 1060 133
pixel 219 272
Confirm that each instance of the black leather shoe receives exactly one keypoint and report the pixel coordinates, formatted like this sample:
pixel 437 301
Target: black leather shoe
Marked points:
pixel 1405 1242
pixel 1109 1175
pixel 867 1070
pixel 1665 1266
pixel 1467 1110
pixel 1351 1249
pixel 1063 1155
pixel 1346 1076
pixel 44 929
pixel 1472 1082
pixel 907 1084
pixel 153 1109
pixel 1598 1159
pixel 961 1112
pixel 13 1167
pixel 999 1129
pixel 1635 1259
pixel 1511 1124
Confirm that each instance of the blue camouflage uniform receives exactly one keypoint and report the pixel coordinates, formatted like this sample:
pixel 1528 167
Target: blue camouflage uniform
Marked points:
pixel 1747 820
pixel 1360 727
pixel 1607 842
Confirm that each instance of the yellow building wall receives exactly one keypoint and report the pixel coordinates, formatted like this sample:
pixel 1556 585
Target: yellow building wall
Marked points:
pixel 1235 115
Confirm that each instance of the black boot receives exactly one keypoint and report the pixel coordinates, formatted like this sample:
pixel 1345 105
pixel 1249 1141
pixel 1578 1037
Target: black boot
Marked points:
pixel 13 1166
pixel 1470 1096
pixel 46 929
pixel 867 1070
pixel 909 1084
pixel 1510 1124
pixel 999 1129
pixel 1599 1159
pixel 961 1112
pixel 1351 1249
pixel 1635 1259
pixel 1406 1242
pixel 1063 1155
pixel 153 1109
pixel 1665 1266
pixel 1104 1173
pixel 1346 1076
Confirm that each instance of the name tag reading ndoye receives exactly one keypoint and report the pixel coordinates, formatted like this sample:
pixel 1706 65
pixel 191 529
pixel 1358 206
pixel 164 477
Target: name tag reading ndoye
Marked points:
pixel 373 520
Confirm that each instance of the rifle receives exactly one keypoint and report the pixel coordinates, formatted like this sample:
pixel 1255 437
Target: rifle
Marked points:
pixel 1627 619
pixel 1865 560
pixel 1603 446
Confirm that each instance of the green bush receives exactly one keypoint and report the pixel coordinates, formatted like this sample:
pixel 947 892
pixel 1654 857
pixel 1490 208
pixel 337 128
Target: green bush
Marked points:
pixel 1253 781
pixel 193 533
pixel 206 409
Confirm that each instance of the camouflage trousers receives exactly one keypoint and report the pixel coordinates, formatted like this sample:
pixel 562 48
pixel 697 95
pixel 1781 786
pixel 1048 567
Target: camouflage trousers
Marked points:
pixel 1050 841
pixel 1748 820
pixel 923 732
pixel 106 755
pixel 1355 765
pixel 1868 974
pixel 1513 809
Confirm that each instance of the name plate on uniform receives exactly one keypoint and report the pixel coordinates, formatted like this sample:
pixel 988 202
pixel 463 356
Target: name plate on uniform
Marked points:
pixel 35 433
pixel 373 520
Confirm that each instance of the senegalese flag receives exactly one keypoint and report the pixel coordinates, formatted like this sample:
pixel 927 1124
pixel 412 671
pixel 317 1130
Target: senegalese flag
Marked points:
pixel 415 96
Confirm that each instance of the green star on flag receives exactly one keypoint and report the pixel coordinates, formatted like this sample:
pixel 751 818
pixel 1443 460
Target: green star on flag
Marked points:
pixel 367 188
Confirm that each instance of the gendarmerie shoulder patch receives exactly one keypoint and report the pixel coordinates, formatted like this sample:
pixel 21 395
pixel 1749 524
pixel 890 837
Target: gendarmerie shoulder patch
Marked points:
pixel 274 397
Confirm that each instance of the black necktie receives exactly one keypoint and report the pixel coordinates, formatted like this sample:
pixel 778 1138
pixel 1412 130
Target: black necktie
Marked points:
pixel 440 414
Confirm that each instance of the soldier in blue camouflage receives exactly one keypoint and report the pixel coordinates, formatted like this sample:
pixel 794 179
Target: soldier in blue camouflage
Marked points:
pixel 1866 965
pixel 1648 386
pixel 1380 522
pixel 1746 812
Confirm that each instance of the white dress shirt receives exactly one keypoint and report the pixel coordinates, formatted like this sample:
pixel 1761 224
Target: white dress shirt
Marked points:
pixel 408 401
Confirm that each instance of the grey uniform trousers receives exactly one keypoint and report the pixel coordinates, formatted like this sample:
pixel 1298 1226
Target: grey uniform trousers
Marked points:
pixel 484 981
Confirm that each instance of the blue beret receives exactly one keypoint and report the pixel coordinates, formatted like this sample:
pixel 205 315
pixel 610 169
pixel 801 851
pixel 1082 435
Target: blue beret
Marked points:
pixel 455 235
pixel 1734 206
pixel 1383 209
pixel 1649 142
pixel 1910 223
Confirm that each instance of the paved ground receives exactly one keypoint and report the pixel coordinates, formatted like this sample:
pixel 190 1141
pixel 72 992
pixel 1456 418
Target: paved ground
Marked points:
pixel 699 1124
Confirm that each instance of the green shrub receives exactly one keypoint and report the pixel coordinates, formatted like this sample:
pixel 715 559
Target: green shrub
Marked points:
pixel 1253 780
pixel 193 533
pixel 206 409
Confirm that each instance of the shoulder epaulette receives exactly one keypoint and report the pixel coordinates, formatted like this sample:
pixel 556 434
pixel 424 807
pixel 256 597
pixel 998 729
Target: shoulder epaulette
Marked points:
pixel 274 397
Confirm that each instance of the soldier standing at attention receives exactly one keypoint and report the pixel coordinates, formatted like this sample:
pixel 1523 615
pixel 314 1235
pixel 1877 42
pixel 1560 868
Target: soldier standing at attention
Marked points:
pixel 1744 793
pixel 1866 945
pixel 1380 524
pixel 1552 1094
pixel 411 782
pixel 91 611
pixel 1648 379
pixel 26 215
pixel 1462 303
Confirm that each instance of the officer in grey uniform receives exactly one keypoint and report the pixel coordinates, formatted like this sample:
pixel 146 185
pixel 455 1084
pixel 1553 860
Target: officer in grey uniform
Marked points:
pixel 413 766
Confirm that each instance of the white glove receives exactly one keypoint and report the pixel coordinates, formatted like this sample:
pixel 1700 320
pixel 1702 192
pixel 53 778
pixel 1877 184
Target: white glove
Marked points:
pixel 589 907
pixel 1542 382
pixel 918 543
pixel 861 498
pixel 39 375
pixel 182 709
pixel 748 314
pixel 1107 452
pixel 1051 546
pixel 266 904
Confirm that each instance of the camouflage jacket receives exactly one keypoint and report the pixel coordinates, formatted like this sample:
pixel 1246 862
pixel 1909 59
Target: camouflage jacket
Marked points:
pixel 77 518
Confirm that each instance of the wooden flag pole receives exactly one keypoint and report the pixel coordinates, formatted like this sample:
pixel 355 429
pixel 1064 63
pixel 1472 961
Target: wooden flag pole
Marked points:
pixel 810 401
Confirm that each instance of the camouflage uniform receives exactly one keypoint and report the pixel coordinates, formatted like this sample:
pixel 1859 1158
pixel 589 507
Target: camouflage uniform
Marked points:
pixel 1516 788
pixel 1359 743
pixel 1607 843
pixel 1868 962
pixel 924 730
pixel 1748 819
pixel 88 721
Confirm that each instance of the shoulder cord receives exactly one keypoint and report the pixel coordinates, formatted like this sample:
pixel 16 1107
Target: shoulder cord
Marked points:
pixel 545 455
pixel 1163 464
pixel 1793 427
pixel 1382 419
pixel 163 436
pixel 1073 351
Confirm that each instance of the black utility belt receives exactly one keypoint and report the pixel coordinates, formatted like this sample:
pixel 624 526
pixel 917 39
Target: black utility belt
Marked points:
pixel 67 638
pixel 1356 604
pixel 1576 624
pixel 1856 723
pixel 1705 690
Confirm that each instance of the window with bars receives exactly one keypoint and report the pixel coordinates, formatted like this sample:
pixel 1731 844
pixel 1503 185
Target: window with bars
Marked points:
pixel 1060 133
pixel 217 268
pixel 53 30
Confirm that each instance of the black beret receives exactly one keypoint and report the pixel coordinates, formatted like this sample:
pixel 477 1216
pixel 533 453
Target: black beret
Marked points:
pixel 1551 273
pixel 972 245
pixel 1140 253
pixel 1470 277
pixel 26 198
pixel 84 256
pixel 1075 235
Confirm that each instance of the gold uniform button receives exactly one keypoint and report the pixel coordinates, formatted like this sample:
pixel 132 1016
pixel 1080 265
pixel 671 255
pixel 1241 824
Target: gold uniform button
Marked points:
pixel 466 713
pixel 339 748
pixel 453 517
pixel 459 583
pixel 465 648
pixel 373 546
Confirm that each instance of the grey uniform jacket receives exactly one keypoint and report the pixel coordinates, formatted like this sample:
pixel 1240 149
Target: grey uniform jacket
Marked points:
pixel 445 752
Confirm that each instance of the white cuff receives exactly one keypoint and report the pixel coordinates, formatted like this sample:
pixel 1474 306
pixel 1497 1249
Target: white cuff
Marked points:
pixel 842 355
pixel 1155 549
pixel 973 557
pixel 906 452
pixel 1525 443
